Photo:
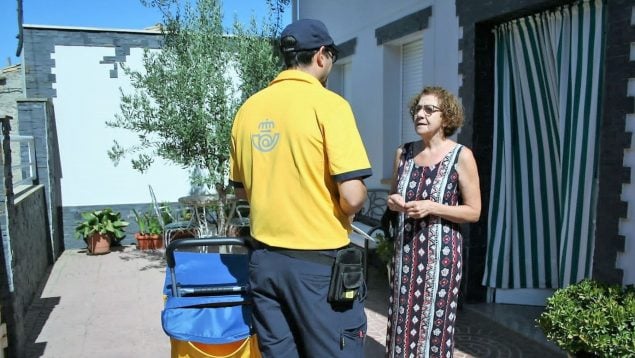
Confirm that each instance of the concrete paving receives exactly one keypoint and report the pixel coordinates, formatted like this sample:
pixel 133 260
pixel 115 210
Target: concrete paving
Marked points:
pixel 100 306
pixel 110 306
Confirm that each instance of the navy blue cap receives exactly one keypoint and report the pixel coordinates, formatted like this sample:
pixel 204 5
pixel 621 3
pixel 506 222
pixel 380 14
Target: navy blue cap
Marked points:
pixel 309 34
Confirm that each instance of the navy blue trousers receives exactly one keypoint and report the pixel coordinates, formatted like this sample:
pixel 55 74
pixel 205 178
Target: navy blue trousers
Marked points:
pixel 291 315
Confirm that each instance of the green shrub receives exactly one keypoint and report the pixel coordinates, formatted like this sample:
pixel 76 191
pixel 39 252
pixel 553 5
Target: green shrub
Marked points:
pixel 591 317
pixel 385 248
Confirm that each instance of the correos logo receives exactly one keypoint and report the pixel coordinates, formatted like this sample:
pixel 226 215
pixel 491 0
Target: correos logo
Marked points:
pixel 266 139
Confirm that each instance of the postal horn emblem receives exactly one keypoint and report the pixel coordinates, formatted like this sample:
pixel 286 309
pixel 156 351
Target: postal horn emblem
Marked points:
pixel 266 139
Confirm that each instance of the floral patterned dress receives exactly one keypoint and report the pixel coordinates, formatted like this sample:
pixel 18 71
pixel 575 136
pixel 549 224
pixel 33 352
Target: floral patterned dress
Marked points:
pixel 426 268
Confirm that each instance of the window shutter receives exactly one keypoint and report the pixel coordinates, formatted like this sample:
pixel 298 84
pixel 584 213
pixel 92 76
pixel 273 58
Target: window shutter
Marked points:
pixel 411 85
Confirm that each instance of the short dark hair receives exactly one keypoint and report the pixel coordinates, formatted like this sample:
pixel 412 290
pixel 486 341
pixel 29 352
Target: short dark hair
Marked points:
pixel 450 106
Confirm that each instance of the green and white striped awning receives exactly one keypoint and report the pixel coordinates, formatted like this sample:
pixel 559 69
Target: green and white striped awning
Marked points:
pixel 541 225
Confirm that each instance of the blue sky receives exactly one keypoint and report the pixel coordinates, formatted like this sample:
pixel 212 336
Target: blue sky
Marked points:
pixel 125 14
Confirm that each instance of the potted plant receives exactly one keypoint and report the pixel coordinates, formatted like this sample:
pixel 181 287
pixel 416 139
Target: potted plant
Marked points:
pixel 149 236
pixel 591 319
pixel 385 250
pixel 99 228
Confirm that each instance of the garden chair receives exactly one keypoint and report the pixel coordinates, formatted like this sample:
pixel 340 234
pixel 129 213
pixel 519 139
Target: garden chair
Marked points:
pixel 186 227
pixel 239 221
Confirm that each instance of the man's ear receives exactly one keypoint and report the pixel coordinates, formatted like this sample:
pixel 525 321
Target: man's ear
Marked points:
pixel 321 57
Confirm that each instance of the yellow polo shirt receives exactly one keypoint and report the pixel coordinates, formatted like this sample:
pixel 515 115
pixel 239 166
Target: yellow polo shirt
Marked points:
pixel 291 143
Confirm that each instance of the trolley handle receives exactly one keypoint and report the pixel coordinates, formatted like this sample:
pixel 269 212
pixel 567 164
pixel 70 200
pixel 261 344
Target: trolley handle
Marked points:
pixel 200 241
pixel 211 290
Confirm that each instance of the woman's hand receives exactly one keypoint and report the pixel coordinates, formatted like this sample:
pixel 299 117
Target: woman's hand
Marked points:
pixel 420 209
pixel 396 203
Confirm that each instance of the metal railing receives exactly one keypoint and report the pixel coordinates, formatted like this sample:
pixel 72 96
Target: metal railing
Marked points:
pixel 23 170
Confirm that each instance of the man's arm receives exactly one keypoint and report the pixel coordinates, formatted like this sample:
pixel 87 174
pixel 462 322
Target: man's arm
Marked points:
pixel 352 195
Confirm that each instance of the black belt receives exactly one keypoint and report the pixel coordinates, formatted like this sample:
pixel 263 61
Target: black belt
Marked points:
pixel 324 257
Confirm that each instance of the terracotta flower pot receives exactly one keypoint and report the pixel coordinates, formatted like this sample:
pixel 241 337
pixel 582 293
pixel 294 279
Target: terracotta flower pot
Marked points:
pixel 149 242
pixel 98 244
pixel 182 234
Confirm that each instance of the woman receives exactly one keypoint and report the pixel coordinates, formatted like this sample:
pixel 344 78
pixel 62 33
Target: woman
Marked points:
pixel 435 187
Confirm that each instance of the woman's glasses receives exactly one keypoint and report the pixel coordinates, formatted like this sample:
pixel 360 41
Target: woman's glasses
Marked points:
pixel 428 108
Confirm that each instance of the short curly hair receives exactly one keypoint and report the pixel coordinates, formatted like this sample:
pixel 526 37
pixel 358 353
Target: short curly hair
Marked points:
pixel 450 106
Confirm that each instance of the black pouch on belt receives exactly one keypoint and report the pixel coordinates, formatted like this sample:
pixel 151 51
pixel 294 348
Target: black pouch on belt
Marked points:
pixel 347 276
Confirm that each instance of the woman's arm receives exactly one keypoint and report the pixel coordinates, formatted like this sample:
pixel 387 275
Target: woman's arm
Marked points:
pixel 395 201
pixel 470 188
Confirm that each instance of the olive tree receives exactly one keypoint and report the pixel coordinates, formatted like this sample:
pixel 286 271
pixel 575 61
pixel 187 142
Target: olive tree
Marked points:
pixel 184 100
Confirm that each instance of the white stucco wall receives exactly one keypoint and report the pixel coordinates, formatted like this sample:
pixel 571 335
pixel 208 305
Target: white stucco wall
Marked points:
pixel 86 98
pixel 375 68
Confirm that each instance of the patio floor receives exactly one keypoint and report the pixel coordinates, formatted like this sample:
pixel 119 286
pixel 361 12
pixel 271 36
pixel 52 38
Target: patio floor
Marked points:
pixel 110 306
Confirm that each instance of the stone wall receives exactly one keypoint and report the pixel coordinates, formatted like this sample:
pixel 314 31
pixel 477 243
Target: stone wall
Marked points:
pixel 11 89
pixel 617 103
pixel 29 222
pixel 30 260
pixel 37 119
pixel 26 259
